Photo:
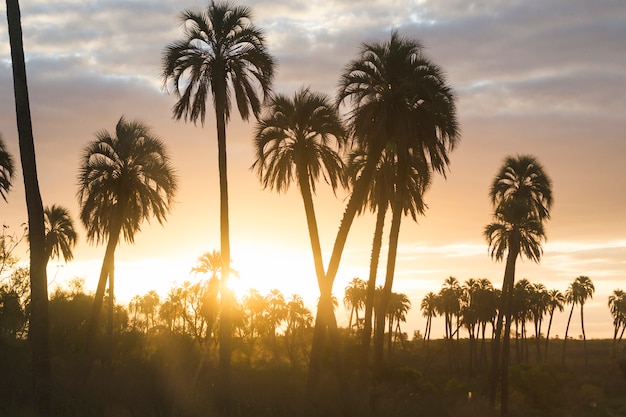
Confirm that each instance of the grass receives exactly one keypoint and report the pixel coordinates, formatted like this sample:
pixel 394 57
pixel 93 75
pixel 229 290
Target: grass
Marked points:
pixel 168 375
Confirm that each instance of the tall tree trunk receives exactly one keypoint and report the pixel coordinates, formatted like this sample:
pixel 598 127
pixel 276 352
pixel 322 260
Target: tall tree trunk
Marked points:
pixel 504 316
pixel 225 329
pixel 566 332
pixel 371 291
pixel 354 204
pixel 111 311
pixel 107 266
pixel 394 234
pixel 39 321
pixel 545 353
pixel 582 326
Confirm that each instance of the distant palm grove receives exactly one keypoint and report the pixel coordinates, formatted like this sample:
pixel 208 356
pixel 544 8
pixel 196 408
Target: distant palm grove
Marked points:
pixel 199 351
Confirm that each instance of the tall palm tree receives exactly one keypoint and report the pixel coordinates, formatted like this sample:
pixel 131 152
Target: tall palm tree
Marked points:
pixel 617 306
pixel 61 236
pixel 577 293
pixel 39 321
pixel 222 54
pixel 125 178
pixel 295 140
pixel 7 167
pixel 521 194
pixel 555 301
pixel 400 103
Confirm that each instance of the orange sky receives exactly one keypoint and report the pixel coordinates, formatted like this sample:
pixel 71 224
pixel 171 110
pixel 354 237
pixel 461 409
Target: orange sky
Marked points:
pixel 530 78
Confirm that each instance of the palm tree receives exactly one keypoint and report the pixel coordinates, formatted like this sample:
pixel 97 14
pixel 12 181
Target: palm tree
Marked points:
pixel 7 168
pixel 61 236
pixel 397 308
pixel 295 141
pixel 617 306
pixel 222 54
pixel 521 194
pixel 354 299
pixel 124 179
pixel 401 103
pixel 486 298
pixel 577 293
pixel 555 300
pixel 210 262
pixel 429 310
pixel 39 322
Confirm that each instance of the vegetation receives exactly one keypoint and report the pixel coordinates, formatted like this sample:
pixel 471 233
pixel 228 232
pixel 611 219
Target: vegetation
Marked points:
pixel 172 354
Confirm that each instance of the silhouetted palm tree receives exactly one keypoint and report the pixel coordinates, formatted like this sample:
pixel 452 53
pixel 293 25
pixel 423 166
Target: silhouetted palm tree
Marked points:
pixel 617 306
pixel 61 236
pixel 577 293
pixel 7 167
pixel 221 55
pixel 397 308
pixel 354 299
pixel 555 300
pixel 429 310
pixel 125 178
pixel 400 103
pixel 211 263
pixel 521 194
pixel 39 328
pixel 295 140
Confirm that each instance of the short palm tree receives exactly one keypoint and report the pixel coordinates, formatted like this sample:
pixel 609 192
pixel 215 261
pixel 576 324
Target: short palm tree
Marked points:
pixel 617 306
pixel 61 236
pixel 354 299
pixel 555 301
pixel 125 178
pixel 429 310
pixel 577 293
pixel 521 194
pixel 222 54
pixel 211 263
pixel 7 167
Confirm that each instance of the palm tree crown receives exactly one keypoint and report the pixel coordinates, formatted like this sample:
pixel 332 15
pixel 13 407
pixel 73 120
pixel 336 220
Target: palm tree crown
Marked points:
pixel 523 180
pixel 221 49
pixel 127 173
pixel 7 167
pixel 61 236
pixel 399 96
pixel 297 135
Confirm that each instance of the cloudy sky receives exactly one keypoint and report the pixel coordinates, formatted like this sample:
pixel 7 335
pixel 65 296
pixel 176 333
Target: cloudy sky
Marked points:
pixel 532 77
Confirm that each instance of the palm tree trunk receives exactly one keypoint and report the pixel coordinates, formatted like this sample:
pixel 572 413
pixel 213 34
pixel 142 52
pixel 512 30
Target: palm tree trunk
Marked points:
pixel 107 266
pixel 371 290
pixel 505 316
pixel 566 332
pixel 39 321
pixel 110 314
pixel 394 235
pixel 225 329
pixel 545 353
pixel 582 326
pixel 326 312
pixel 356 201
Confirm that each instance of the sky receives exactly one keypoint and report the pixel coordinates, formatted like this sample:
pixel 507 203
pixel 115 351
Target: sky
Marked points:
pixel 531 77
